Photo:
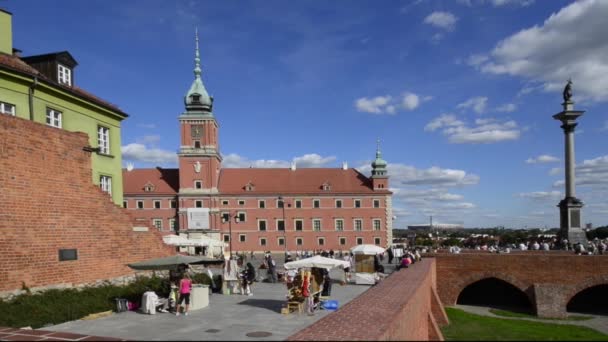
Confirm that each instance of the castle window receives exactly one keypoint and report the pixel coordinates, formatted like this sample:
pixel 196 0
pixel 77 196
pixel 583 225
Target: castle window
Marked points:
pixel 316 203
pixel 197 144
pixel 64 75
pixel 173 204
pixel 338 203
pixel 242 237
pixel 105 183
pixel 359 241
pixel 225 202
pixel 321 241
pixel 241 202
pixel 140 204
pixel 376 203
pixel 299 224
pixel 262 225
pixel 342 241
pixel 103 139
pixel 339 224
pixel 262 241
pixel 316 225
pixel 156 204
pixel 261 204
pixel 326 186
pixel 357 203
pixel 53 118
pixel 7 108
pixel 298 203
pixel 158 223
pixel 299 241
pixel 198 204
pixel 124 204
pixel 196 98
pixel 377 241
pixel 198 184
pixel 358 225
pixel 377 224
pixel 242 216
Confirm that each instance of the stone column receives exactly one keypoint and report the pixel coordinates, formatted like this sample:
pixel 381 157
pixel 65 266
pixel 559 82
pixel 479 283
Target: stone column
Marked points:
pixel 570 206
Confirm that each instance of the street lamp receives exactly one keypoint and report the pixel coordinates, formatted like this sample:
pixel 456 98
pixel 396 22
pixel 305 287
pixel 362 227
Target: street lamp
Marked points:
pixel 229 218
pixel 282 201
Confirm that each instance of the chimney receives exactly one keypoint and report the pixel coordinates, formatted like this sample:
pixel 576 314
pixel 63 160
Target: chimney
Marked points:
pixel 293 166
pixel 344 166
pixel 130 167
pixel 6 32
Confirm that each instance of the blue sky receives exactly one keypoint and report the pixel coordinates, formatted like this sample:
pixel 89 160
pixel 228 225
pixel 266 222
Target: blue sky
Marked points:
pixel 460 93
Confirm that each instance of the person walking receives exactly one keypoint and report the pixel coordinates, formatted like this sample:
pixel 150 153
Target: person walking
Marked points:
pixel 185 286
pixel 248 278
pixel 272 269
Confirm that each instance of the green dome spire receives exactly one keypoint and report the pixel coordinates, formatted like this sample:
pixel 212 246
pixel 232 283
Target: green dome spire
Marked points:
pixel 378 165
pixel 197 98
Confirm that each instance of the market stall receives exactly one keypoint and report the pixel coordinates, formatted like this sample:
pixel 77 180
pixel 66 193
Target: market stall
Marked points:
pixel 308 281
pixel 365 271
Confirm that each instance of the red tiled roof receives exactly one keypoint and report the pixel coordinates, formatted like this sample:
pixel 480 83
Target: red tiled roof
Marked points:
pixel 15 63
pixel 299 181
pixel 166 181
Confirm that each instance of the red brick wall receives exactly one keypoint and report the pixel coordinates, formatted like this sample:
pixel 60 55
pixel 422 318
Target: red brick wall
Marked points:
pixel 550 278
pixel 48 202
pixel 398 308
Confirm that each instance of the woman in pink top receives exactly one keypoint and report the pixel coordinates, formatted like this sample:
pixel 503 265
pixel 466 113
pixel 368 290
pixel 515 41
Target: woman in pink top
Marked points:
pixel 185 285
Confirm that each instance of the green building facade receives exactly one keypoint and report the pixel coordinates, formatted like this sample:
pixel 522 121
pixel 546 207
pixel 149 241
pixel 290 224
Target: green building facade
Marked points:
pixel 41 88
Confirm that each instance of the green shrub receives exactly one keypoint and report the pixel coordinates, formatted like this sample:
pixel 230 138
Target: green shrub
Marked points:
pixel 62 305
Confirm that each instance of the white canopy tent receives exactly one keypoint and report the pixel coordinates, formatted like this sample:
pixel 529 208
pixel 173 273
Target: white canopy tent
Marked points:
pixel 317 261
pixel 367 249
pixel 177 240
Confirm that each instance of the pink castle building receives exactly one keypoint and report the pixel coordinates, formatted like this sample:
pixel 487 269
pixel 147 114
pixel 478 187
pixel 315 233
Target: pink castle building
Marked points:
pixel 257 209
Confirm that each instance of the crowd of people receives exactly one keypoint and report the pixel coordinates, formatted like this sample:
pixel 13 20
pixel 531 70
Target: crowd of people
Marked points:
pixel 593 247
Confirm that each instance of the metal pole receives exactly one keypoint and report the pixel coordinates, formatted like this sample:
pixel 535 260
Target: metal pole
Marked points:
pixel 230 233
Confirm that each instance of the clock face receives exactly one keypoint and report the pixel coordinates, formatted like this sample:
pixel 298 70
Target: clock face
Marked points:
pixel 197 131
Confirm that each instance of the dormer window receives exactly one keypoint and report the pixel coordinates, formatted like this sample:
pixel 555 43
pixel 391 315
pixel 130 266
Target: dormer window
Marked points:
pixel 149 187
pixel 196 98
pixel 64 75
pixel 326 186
pixel 249 186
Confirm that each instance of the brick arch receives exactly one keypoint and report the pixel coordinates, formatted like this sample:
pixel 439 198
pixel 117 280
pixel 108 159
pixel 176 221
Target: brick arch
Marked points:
pixel 585 284
pixel 474 277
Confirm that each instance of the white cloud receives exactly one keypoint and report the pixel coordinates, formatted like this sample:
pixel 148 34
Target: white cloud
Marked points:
pixel 234 160
pixel 544 158
pixel 375 105
pixel 463 205
pixel 149 139
pixel 442 20
pixel 477 59
pixel 522 3
pixel 485 131
pixel 555 171
pixel 593 171
pixel 402 174
pixel 496 3
pixel 141 153
pixel 478 104
pixel 444 120
pixel 410 101
pixel 541 195
pixel 507 107
pixel 389 105
pixel 569 44
pixel 313 160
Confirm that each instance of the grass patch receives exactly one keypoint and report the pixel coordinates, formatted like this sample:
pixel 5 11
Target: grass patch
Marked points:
pixel 505 313
pixel 465 326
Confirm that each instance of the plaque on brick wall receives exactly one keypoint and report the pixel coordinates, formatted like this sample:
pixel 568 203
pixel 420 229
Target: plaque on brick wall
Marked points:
pixel 575 218
pixel 198 218
pixel 68 254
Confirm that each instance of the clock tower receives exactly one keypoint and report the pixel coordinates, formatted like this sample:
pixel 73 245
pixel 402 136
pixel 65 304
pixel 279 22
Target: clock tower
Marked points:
pixel 199 155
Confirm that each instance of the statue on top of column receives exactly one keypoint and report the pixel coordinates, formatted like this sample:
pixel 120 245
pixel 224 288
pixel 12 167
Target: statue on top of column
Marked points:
pixel 568 91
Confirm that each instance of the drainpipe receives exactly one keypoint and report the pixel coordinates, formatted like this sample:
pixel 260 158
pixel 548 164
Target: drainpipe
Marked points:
pixel 31 97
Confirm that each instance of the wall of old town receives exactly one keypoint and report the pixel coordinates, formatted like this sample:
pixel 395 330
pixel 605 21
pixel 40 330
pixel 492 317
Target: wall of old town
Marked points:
pixel 48 203
pixel 550 279
pixel 404 306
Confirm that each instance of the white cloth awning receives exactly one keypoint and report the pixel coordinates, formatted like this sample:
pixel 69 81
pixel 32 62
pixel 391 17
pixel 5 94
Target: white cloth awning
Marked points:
pixel 367 249
pixel 176 240
pixel 317 261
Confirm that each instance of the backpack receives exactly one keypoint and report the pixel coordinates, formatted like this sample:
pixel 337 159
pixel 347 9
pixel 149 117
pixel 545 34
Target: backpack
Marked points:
pixel 122 304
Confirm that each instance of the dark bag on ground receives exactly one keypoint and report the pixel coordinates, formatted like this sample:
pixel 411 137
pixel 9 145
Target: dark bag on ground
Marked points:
pixel 122 304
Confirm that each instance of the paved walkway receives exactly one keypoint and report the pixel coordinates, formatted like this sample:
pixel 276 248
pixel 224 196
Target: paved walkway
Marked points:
pixel 599 323
pixel 228 317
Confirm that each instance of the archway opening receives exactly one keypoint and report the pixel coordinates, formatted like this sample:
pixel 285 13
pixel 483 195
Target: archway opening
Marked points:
pixel 592 300
pixel 495 293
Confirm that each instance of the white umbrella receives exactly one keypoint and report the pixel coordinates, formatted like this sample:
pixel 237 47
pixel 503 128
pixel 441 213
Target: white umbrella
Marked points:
pixel 367 249
pixel 317 261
